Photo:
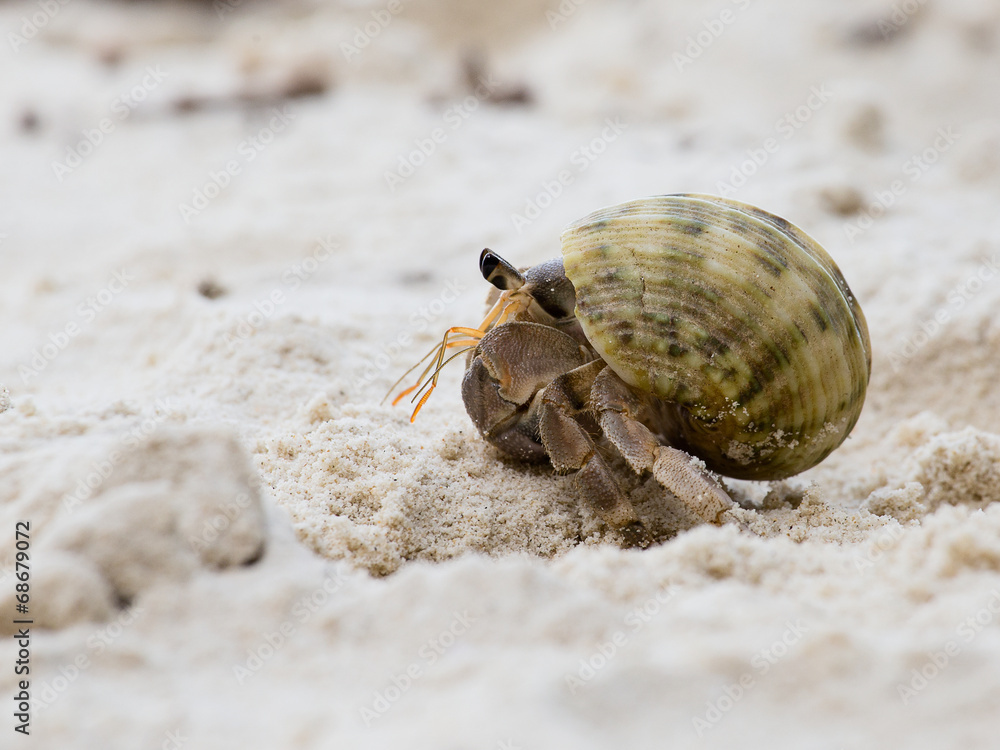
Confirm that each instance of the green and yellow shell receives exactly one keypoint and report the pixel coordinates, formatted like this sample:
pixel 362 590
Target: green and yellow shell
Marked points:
pixel 735 319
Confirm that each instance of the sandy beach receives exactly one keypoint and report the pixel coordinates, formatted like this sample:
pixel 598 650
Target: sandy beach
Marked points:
pixel 226 228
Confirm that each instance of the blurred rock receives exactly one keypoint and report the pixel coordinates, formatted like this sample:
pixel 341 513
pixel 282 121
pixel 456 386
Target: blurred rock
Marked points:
pixel 183 500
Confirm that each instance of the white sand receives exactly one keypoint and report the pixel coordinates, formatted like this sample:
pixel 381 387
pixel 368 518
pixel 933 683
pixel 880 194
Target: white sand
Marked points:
pixel 275 560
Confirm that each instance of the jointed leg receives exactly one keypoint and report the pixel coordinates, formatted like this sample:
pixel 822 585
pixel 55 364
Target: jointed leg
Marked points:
pixel 570 448
pixel 502 385
pixel 618 410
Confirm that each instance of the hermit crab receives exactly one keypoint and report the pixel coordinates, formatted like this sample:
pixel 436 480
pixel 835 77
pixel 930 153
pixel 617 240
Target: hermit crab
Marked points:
pixel 693 334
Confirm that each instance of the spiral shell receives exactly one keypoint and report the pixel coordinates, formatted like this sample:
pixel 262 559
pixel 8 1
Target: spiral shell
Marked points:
pixel 736 320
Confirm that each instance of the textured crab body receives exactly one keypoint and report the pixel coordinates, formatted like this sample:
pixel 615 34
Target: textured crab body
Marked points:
pixel 673 327
pixel 738 321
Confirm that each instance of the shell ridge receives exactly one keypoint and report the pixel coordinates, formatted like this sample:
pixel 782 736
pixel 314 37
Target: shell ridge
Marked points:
pixel 736 316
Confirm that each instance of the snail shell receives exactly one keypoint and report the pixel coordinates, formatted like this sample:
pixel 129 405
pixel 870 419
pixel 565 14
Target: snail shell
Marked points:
pixel 737 321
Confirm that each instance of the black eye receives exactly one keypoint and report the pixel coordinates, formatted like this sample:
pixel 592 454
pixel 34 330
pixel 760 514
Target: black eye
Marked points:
pixel 488 263
pixel 499 272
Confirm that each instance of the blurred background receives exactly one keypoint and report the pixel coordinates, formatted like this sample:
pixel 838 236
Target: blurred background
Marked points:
pixel 210 146
pixel 259 214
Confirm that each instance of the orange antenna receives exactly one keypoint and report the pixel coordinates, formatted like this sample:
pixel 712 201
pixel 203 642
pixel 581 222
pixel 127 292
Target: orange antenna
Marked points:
pixel 509 303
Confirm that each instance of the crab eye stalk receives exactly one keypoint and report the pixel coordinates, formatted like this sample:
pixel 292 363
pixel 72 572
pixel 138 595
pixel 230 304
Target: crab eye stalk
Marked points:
pixel 548 285
pixel 499 272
